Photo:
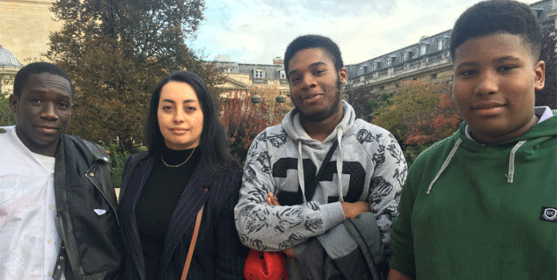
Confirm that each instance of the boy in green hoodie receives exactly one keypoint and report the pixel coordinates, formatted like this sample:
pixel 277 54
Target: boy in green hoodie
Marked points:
pixel 482 204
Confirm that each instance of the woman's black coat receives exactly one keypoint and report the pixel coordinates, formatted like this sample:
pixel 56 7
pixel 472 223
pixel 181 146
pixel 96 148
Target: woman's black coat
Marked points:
pixel 218 254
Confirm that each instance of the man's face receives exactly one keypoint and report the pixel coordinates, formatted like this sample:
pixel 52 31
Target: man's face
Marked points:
pixel 42 112
pixel 315 84
pixel 494 83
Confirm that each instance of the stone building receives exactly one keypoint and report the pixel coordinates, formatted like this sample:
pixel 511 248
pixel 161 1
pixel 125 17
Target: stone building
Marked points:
pixel 9 66
pixel 544 9
pixel 428 60
pixel 244 79
pixel 553 14
pixel 26 26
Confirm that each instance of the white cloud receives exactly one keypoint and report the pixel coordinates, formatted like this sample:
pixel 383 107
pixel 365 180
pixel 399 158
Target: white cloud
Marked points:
pixel 256 31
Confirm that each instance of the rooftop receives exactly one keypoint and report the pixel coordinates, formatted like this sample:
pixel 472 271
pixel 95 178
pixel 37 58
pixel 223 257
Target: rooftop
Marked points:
pixel 8 60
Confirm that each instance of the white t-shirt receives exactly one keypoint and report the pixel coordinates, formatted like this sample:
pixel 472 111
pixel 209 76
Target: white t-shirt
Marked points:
pixel 29 232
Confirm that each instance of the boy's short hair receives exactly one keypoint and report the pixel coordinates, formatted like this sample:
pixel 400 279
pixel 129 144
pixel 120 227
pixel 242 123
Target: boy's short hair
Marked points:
pixel 313 41
pixel 23 74
pixel 498 16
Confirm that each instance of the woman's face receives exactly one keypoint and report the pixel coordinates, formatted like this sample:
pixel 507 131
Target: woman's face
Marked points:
pixel 180 116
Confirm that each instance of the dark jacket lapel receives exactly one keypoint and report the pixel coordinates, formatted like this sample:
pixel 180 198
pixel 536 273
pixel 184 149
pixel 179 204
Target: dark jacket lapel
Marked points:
pixel 191 200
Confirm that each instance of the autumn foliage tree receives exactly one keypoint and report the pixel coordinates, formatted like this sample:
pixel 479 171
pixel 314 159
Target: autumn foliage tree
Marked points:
pixel 418 115
pixel 116 52
pixel 244 120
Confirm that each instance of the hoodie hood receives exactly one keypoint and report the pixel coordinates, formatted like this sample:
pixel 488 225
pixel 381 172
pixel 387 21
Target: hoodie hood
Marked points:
pixel 538 133
pixel 295 131
pixel 527 143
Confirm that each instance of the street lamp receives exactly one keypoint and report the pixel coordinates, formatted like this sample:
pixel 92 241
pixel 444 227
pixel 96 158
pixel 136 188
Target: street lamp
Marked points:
pixel 256 99
pixel 280 99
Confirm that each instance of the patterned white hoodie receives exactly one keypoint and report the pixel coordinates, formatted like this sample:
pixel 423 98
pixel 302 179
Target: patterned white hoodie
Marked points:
pixel 283 159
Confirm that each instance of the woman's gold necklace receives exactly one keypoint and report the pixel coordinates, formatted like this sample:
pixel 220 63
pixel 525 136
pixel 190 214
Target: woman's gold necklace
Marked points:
pixel 178 165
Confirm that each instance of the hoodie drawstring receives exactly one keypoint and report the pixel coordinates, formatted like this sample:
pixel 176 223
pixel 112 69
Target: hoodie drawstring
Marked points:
pixel 301 171
pixel 340 131
pixel 445 164
pixel 510 175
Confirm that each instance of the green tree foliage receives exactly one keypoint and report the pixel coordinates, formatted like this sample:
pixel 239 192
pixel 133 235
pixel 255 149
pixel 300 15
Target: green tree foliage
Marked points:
pixel 548 95
pixel 116 51
pixel 6 116
pixel 359 98
pixel 381 101
pixel 418 115
pixel 118 160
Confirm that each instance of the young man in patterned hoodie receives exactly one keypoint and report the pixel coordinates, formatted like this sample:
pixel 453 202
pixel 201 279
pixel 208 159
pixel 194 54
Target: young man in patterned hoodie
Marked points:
pixel 277 211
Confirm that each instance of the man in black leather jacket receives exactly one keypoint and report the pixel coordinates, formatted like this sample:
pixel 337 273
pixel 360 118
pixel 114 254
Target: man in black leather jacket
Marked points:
pixel 40 167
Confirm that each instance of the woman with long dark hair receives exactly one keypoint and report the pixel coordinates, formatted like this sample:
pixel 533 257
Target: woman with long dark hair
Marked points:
pixel 187 175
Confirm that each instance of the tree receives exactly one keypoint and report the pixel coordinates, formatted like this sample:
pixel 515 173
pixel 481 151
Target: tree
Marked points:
pixel 6 115
pixel 6 83
pixel 548 95
pixel 116 51
pixel 418 115
pixel 243 120
pixel 359 98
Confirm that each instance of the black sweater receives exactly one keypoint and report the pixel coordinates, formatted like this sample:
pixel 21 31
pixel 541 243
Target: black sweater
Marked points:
pixel 158 200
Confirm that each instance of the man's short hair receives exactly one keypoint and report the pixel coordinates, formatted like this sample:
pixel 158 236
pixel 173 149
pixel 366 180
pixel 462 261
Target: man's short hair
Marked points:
pixel 37 68
pixel 498 16
pixel 313 41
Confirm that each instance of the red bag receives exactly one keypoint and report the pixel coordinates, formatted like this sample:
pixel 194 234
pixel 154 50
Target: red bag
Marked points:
pixel 265 265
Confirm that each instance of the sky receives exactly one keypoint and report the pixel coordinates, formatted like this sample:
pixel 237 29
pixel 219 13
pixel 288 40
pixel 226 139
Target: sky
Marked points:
pixel 256 31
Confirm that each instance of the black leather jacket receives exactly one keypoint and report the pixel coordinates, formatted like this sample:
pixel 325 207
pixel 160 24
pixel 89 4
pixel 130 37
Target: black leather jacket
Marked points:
pixel 86 210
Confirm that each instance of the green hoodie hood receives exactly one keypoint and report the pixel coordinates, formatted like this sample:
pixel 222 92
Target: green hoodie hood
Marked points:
pixel 539 138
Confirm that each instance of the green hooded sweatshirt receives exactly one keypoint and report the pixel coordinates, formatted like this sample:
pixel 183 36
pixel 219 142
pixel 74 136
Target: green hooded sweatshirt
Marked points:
pixel 475 211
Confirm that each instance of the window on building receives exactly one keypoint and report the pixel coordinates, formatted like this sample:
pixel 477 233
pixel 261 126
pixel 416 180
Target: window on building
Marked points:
pixel 281 74
pixel 362 70
pixel 407 56
pixel 423 49
pixel 389 61
pixel 440 44
pixel 258 74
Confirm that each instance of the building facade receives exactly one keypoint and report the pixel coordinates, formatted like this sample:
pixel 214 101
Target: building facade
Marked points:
pixel 553 14
pixel 428 60
pixel 26 26
pixel 244 79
